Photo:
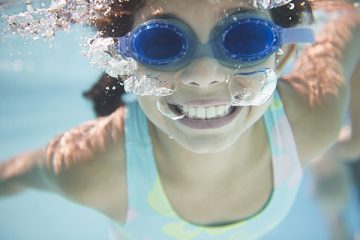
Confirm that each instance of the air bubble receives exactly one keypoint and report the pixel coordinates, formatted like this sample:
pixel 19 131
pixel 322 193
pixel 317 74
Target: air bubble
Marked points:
pixel 103 55
pixel 291 6
pixel 60 15
pixel 214 1
pixel 279 52
pixel 252 88
pixel 268 4
pixel 164 108
pixel 150 84
pixel 241 95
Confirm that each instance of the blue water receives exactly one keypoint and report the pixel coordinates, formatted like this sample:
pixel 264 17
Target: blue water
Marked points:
pixel 43 98
pixel 39 101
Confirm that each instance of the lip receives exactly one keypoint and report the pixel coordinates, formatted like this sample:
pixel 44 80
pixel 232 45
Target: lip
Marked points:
pixel 207 123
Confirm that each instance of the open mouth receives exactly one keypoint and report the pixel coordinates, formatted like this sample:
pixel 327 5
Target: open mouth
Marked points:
pixel 202 117
pixel 203 113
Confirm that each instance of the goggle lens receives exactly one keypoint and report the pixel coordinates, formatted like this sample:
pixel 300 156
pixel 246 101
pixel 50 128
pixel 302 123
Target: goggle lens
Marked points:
pixel 247 39
pixel 158 44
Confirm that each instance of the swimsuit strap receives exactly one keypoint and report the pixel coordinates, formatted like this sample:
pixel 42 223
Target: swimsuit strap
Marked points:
pixel 140 171
pixel 282 143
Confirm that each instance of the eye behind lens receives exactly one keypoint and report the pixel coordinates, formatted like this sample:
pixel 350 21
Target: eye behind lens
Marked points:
pixel 249 40
pixel 159 44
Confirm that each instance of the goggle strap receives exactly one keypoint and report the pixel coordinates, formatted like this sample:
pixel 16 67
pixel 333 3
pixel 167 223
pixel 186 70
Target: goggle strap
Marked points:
pixel 297 35
pixel 203 50
pixel 123 46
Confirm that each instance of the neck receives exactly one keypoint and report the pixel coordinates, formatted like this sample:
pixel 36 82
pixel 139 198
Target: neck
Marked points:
pixel 178 163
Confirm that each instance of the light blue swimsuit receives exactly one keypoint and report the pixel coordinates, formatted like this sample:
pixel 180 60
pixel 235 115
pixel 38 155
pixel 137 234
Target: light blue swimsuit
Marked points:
pixel 150 215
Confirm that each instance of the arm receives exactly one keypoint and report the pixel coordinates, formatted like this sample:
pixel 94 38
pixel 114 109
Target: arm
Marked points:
pixel 25 170
pixel 72 164
pixel 317 93
pixel 348 149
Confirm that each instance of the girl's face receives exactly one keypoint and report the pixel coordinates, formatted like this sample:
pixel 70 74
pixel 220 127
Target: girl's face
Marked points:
pixel 202 85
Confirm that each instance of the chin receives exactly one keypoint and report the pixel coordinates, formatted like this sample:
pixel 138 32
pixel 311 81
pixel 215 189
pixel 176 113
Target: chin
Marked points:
pixel 206 145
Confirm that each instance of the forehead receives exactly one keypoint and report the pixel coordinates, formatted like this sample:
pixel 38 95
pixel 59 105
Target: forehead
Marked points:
pixel 190 10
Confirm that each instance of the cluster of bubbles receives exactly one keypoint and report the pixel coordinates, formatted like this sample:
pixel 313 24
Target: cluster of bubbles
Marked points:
pixel 150 85
pixel 103 54
pixel 44 22
pixel 263 4
pixel 252 88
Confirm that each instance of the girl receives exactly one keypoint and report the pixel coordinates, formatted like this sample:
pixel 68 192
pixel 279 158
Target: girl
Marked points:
pixel 214 145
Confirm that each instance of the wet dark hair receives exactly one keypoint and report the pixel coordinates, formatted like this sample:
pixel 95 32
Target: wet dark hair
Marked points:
pixel 292 14
pixel 106 93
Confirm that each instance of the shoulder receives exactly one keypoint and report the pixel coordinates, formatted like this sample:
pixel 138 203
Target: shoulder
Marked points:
pixel 86 141
pixel 315 127
pixel 88 162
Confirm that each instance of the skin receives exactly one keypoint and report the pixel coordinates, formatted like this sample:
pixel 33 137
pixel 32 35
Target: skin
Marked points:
pixel 230 158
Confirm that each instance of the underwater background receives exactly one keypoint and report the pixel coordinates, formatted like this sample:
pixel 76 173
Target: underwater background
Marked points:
pixel 41 86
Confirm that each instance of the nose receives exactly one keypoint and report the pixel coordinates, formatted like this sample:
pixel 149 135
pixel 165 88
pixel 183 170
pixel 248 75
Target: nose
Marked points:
pixel 203 73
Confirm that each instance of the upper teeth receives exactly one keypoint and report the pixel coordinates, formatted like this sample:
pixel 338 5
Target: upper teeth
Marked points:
pixel 205 112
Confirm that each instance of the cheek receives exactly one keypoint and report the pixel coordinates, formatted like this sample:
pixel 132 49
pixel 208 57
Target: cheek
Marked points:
pixel 271 61
pixel 268 63
pixel 148 105
pixel 256 112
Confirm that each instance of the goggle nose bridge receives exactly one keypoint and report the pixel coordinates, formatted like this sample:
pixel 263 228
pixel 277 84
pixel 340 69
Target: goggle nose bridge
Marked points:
pixel 203 50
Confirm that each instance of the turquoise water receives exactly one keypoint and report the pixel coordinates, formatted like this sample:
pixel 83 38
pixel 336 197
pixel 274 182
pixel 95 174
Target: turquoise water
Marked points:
pixel 41 95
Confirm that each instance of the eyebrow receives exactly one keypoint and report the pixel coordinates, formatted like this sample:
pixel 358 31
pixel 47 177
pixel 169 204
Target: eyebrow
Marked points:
pixel 236 10
pixel 163 16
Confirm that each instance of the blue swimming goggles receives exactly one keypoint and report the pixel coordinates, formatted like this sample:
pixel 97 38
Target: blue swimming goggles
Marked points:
pixel 240 39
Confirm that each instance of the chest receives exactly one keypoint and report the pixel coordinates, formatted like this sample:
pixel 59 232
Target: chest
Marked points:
pixel 209 202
